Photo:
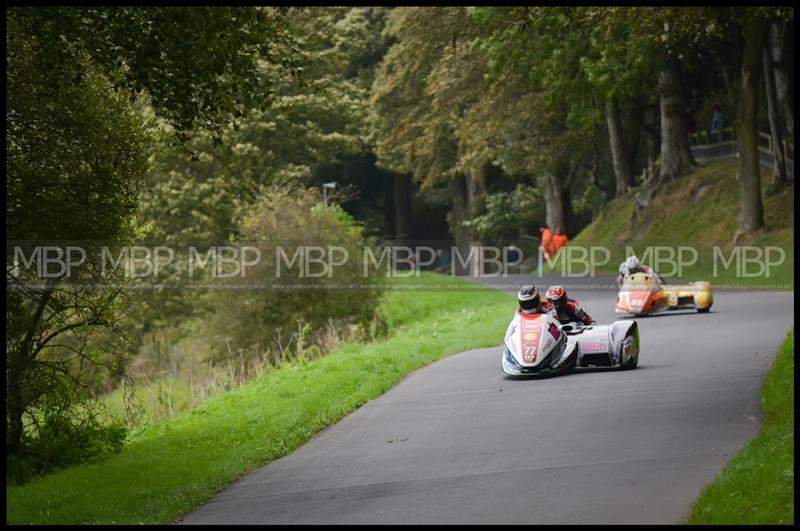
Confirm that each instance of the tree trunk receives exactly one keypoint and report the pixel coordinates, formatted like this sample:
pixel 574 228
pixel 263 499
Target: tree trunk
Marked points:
pixel 402 206
pixel 781 41
pixel 389 217
pixel 594 173
pixel 476 196
pixel 18 365
pixel 652 140
pixel 772 112
pixel 619 151
pixel 476 190
pixel 676 155
pixel 570 227
pixel 14 408
pixel 751 216
pixel 632 128
pixel 459 214
pixel 729 62
pixel 558 204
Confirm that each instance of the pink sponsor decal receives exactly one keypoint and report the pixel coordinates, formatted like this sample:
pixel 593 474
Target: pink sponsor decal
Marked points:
pixel 594 346
pixel 530 330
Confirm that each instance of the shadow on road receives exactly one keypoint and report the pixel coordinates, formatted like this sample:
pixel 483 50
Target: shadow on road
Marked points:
pixel 663 314
pixel 573 372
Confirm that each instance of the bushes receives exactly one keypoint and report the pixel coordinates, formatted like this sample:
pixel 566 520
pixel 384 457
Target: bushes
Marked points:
pixel 251 324
pixel 508 213
pixel 277 307
pixel 64 438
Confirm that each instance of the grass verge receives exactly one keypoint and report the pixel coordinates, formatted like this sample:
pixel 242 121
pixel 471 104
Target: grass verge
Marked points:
pixel 174 466
pixel 757 486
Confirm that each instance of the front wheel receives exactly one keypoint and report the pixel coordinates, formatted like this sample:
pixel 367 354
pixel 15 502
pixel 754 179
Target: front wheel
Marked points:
pixel 571 362
pixel 703 310
pixel 634 335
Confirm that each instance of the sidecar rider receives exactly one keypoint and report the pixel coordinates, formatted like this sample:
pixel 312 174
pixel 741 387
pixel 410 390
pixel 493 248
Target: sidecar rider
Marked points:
pixel 530 301
pixel 567 310
pixel 631 266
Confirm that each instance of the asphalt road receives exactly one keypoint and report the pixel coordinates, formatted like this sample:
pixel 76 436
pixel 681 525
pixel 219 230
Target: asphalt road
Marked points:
pixel 457 442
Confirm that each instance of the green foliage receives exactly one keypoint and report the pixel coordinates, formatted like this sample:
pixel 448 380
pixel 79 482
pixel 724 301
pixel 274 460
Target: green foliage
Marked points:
pixel 198 198
pixel 523 88
pixel 76 152
pixel 77 160
pixel 65 438
pixel 284 221
pixel 590 200
pixel 567 62
pixel 222 338
pixel 677 28
pixel 194 63
pixel 507 213
pixel 620 62
pixel 62 345
pixel 406 138
pixel 541 112
pixel 201 196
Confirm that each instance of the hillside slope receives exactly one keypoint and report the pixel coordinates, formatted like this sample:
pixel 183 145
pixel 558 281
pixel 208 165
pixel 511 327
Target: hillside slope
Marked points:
pixel 701 210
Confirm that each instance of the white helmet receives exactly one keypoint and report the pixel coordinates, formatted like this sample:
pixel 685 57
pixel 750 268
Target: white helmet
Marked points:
pixel 632 263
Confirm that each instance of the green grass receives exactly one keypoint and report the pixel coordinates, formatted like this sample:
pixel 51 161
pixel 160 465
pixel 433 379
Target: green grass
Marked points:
pixel 757 487
pixel 701 210
pixel 174 466
pixel 154 399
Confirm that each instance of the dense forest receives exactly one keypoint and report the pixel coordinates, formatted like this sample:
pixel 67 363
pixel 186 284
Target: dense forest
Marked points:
pixel 217 125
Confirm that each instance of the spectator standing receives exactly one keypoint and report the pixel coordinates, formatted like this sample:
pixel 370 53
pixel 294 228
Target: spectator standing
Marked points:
pixel 545 241
pixel 718 122
pixel 444 260
pixel 559 240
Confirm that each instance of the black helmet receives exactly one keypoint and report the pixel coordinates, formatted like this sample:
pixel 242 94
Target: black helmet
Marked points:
pixel 528 298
